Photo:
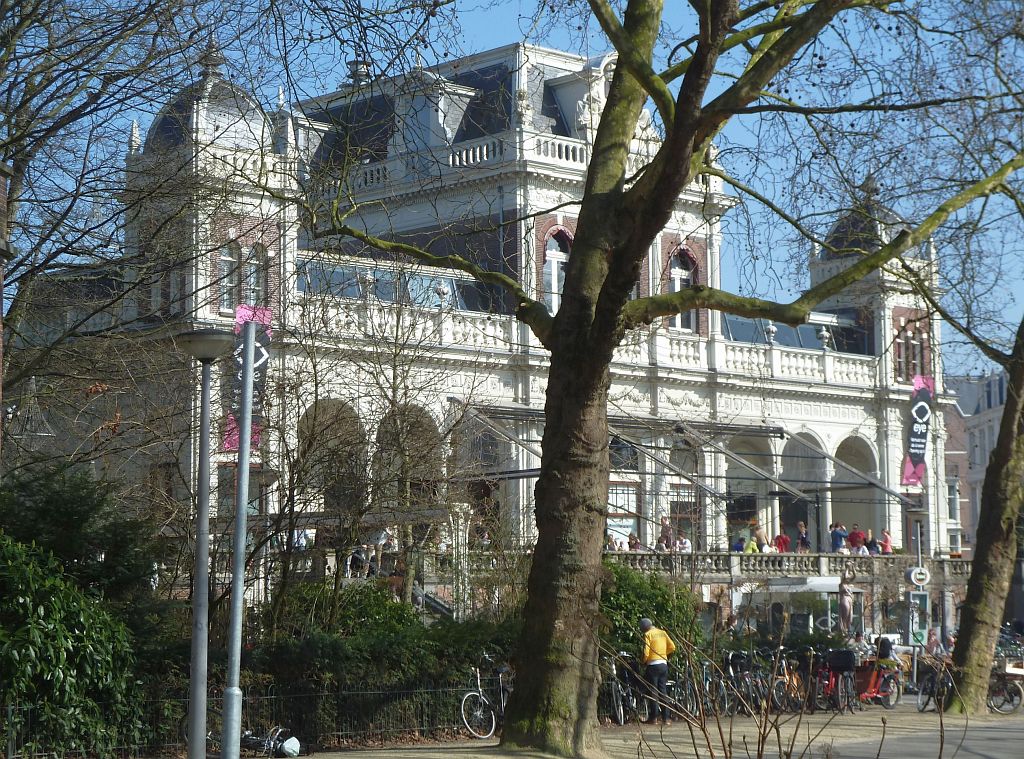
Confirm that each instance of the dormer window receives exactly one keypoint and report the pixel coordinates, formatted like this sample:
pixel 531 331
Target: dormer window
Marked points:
pixel 556 256
pixel 682 274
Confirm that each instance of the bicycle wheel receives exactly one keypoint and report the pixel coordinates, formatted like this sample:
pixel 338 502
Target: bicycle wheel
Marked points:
pixel 617 706
pixel 780 697
pixel 943 687
pixel 889 691
pixel 850 702
pixel 641 706
pixel 798 695
pixel 925 692
pixel 478 715
pixel 718 700
pixel 1005 695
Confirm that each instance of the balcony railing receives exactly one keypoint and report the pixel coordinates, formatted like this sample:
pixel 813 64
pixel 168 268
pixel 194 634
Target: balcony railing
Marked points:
pixel 742 568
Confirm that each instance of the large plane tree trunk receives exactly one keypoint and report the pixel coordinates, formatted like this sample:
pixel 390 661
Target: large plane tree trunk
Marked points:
pixel 995 547
pixel 555 700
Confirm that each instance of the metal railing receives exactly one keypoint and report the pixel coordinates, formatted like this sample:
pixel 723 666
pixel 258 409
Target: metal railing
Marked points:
pixel 322 718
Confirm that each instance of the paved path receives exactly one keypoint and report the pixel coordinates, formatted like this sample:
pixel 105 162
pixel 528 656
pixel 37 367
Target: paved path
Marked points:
pixel 907 735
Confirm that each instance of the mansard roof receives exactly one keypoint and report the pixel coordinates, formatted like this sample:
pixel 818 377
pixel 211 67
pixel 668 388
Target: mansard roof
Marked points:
pixel 229 110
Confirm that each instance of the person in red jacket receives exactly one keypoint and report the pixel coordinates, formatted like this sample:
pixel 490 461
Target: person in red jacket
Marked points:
pixel 657 648
pixel 856 537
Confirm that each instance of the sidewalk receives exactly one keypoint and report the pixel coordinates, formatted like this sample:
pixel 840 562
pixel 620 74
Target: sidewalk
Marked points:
pixel 739 737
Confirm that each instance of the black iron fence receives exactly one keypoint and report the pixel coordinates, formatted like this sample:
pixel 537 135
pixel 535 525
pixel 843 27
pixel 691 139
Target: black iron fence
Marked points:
pixel 323 718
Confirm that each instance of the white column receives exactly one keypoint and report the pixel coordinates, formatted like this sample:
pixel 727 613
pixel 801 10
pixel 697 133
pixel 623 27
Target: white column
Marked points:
pixel 827 473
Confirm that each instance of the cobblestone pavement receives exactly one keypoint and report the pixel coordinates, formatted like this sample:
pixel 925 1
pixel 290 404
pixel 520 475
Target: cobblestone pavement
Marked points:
pixel 902 733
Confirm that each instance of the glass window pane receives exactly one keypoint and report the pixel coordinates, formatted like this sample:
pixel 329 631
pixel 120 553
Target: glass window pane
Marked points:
pixel 808 336
pixel 383 286
pixel 344 283
pixel 786 335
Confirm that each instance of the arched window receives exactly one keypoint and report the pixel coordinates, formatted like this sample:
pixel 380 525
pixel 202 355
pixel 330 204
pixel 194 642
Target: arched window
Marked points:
pixel 682 272
pixel 556 256
pixel 242 274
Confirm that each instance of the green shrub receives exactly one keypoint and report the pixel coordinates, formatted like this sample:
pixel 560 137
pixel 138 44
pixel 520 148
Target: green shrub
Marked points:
pixel 101 547
pixel 628 595
pixel 62 654
pixel 306 609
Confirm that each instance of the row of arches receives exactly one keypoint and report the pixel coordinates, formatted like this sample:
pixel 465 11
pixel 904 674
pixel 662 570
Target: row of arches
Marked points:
pixel 352 477
pixel 716 490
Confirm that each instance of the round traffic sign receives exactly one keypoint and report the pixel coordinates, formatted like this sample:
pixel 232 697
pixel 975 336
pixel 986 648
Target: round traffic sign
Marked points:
pixel 920 576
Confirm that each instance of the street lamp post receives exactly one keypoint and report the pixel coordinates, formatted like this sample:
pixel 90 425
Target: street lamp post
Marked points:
pixel 204 345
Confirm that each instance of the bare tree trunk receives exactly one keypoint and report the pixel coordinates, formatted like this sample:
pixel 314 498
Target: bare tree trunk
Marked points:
pixel 996 547
pixel 554 706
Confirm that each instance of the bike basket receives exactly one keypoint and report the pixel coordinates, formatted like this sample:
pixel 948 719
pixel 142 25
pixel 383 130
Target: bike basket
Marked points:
pixel 842 660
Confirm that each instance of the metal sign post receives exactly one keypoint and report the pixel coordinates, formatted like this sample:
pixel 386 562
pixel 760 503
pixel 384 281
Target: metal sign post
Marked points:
pixel 232 691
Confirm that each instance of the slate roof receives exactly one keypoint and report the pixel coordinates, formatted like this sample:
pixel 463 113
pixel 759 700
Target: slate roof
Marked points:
pixel 172 127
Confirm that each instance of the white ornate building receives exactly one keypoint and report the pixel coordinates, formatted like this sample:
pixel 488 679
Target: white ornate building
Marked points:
pixel 719 421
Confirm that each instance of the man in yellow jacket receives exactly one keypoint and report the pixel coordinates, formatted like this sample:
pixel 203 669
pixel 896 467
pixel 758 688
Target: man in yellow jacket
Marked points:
pixel 657 648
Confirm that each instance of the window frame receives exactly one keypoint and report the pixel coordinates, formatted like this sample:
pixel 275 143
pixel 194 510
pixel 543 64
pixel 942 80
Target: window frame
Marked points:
pixel 556 259
pixel 679 263
pixel 243 275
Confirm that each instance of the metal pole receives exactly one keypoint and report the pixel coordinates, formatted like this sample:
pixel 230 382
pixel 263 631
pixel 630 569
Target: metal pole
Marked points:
pixel 232 692
pixel 201 582
pixel 817 519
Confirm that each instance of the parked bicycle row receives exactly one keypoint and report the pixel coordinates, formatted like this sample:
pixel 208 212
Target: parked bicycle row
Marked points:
pixel 772 681
pixel 776 681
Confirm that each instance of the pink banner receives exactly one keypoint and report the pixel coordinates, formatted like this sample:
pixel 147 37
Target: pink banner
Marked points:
pixel 917 434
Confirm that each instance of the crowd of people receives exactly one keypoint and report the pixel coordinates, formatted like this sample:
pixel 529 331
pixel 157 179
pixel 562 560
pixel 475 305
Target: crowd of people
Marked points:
pixel 855 541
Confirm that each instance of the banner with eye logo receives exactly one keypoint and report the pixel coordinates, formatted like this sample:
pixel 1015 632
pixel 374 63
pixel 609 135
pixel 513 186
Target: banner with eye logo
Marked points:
pixel 917 432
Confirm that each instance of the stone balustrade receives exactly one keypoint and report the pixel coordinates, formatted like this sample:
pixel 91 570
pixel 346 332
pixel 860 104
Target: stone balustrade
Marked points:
pixel 665 348
pixel 744 568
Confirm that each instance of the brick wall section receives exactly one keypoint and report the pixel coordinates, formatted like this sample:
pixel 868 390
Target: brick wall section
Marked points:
pixel 698 249
pixel 248 231
pixel 917 320
pixel 645 277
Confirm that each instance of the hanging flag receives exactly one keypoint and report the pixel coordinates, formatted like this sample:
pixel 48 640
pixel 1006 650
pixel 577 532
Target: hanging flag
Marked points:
pixel 260 365
pixel 917 434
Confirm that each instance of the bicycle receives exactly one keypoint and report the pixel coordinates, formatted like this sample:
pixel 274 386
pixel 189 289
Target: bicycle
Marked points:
pixel 789 691
pixel 885 688
pixel 935 687
pixel 834 685
pixel 626 690
pixel 481 714
pixel 1005 694
pixel 277 741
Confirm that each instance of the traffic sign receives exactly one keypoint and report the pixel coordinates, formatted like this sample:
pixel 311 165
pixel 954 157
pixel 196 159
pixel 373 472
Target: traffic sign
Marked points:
pixel 920 576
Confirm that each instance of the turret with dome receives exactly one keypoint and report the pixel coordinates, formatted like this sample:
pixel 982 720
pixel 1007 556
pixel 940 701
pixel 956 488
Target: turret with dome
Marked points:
pixel 211 111
pixel 882 307
pixel 205 196
pixel 866 227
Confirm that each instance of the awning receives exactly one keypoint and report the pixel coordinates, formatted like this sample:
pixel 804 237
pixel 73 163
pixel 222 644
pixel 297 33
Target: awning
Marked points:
pixel 828 584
